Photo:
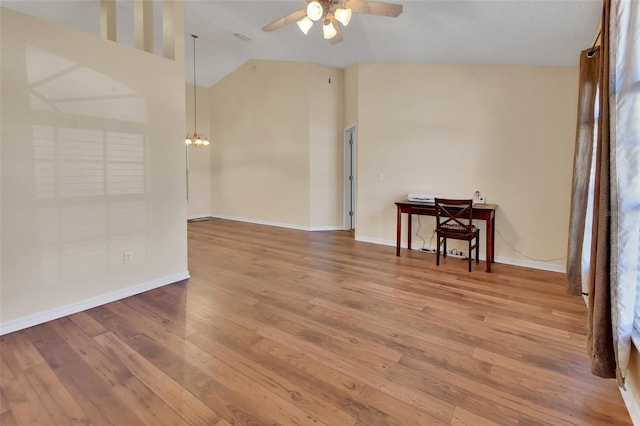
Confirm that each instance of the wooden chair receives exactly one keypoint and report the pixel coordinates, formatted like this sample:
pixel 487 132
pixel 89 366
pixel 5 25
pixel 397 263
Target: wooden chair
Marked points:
pixel 454 220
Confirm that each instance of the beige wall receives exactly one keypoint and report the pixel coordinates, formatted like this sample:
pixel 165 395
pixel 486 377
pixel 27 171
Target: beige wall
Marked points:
pixel 92 166
pixel 351 96
pixel 508 129
pixel 326 89
pixel 503 130
pixel 199 161
pixel 261 166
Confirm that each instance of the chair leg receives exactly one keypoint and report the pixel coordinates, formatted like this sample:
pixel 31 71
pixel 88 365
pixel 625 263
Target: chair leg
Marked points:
pixel 469 257
pixel 444 253
pixel 438 251
pixel 478 247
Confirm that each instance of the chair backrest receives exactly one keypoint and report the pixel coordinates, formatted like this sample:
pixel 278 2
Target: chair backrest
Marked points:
pixel 454 214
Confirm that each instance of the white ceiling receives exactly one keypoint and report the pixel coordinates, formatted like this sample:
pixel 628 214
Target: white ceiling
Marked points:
pixel 517 32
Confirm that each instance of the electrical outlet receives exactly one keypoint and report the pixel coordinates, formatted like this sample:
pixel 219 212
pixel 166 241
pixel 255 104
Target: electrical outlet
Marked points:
pixel 456 253
pixel 127 257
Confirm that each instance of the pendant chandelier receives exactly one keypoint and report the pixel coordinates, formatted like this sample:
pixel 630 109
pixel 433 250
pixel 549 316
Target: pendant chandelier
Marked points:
pixel 195 138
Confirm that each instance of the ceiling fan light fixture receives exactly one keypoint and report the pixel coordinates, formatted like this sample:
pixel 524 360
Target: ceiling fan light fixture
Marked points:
pixel 328 30
pixel 343 16
pixel 305 25
pixel 333 15
pixel 314 11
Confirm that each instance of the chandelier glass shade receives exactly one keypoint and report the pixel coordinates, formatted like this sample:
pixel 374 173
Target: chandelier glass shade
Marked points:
pixel 328 30
pixel 314 11
pixel 305 25
pixel 195 138
pixel 343 16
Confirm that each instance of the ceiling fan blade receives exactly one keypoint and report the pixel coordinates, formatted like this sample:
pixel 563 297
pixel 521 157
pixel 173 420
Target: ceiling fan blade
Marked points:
pixel 375 8
pixel 285 20
pixel 338 37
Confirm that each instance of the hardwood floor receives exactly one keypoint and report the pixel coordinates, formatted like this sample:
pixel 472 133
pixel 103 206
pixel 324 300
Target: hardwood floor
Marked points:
pixel 278 326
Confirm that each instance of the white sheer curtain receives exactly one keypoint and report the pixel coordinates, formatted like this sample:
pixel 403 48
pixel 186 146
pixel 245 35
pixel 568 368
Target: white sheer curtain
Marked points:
pixel 585 263
pixel 624 101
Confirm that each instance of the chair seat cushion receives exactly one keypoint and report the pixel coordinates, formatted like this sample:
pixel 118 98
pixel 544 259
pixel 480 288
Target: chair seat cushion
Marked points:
pixel 458 228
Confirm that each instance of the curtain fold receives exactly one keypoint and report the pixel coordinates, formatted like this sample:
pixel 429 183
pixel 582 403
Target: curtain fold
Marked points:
pixel 600 334
pixel 582 162
pixel 609 166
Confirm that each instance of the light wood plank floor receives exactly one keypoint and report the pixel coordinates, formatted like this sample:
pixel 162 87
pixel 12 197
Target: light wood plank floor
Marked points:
pixel 278 326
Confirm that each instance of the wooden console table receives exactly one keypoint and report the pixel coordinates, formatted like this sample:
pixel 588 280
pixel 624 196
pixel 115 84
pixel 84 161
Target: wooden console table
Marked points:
pixel 486 212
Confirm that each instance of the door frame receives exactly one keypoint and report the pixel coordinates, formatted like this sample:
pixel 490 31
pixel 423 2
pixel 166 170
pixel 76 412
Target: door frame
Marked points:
pixel 350 169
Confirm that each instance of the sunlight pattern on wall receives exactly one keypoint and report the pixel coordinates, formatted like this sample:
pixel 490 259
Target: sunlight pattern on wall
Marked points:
pixel 90 181
pixel 125 163
pixel 80 163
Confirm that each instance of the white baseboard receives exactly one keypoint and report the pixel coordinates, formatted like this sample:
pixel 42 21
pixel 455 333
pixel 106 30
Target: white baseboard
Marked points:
pixel 326 228
pixel 546 266
pixel 280 224
pixel 198 216
pixel 92 302
pixel 534 264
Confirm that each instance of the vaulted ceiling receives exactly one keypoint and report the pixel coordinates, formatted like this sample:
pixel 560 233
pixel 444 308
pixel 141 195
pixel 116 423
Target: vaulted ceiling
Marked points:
pixel 517 32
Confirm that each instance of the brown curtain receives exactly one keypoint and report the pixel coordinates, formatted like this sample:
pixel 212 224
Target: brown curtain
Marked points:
pixel 594 72
pixel 589 75
pixel 600 334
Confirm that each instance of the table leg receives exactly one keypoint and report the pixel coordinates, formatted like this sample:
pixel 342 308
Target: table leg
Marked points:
pixel 409 231
pixel 489 243
pixel 493 239
pixel 398 227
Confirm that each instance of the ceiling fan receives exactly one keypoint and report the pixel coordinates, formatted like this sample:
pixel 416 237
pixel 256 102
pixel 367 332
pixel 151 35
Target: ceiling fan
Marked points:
pixel 332 12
